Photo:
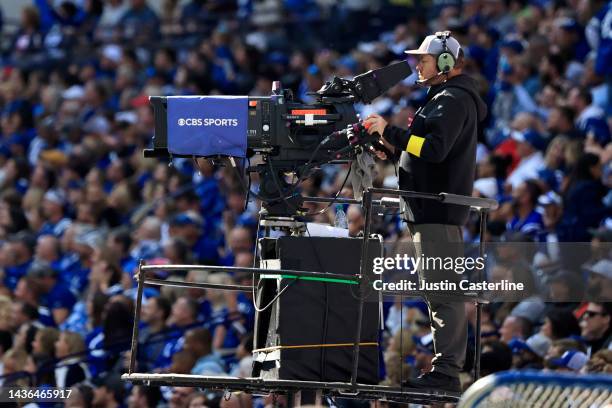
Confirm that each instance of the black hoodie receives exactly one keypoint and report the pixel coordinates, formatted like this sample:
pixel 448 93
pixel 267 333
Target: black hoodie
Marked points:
pixel 439 150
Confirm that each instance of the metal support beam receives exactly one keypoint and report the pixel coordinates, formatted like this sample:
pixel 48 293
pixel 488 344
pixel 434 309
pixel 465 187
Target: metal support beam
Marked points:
pixel 135 332
pixel 363 281
pixel 256 271
pixel 483 230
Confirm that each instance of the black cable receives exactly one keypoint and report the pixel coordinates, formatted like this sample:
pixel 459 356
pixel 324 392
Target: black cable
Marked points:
pixel 307 167
pixel 336 196
pixel 255 306
pixel 248 189
pixel 279 187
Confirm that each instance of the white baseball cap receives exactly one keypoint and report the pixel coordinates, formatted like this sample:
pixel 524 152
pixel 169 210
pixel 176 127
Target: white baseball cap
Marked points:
pixel 572 359
pixel 433 44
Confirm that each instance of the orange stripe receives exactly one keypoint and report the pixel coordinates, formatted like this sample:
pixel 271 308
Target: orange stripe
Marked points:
pixel 308 112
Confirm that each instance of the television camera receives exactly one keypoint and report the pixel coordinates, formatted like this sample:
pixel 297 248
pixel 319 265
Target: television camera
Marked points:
pixel 292 137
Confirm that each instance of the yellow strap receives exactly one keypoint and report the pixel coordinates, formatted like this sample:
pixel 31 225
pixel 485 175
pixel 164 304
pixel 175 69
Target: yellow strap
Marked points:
pixel 274 348
pixel 415 144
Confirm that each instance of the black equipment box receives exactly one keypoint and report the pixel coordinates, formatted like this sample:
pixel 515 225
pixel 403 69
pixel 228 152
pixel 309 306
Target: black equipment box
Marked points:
pixel 308 332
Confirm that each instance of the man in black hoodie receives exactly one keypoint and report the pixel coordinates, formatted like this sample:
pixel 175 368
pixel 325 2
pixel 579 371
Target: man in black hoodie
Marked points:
pixel 438 154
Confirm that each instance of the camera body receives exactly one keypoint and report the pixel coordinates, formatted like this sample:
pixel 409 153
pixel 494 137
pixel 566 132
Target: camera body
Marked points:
pixel 288 132
pixel 279 128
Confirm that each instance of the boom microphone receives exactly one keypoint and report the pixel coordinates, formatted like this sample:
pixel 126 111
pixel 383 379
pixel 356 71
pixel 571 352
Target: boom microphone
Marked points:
pixel 425 82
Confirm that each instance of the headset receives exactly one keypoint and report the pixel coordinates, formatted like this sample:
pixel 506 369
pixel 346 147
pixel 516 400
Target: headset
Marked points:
pixel 445 60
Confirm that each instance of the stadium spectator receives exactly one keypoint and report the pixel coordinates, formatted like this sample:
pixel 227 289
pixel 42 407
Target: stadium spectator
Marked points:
pixel 583 207
pixel 565 288
pixel 109 391
pixel 54 294
pixel 529 146
pixel 356 220
pixel 560 346
pixel 600 362
pixel 183 315
pixel 142 396
pixel 139 23
pixel 599 283
pixel 590 119
pixel 116 328
pixel 549 254
pixel 515 327
pixel 53 210
pixel 571 360
pixel 526 219
pixel 529 353
pixel 399 352
pixel 19 258
pixel 69 348
pixel 13 362
pixel 119 243
pixel 81 396
pixel 48 250
pixel 244 354
pixel 6 342
pixel 180 396
pixel 155 313
pixel 182 362
pixel 560 324
pixel 595 326
pixel 496 356
pixel 199 342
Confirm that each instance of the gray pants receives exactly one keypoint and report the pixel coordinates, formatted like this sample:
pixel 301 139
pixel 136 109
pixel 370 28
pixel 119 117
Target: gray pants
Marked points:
pixel 448 318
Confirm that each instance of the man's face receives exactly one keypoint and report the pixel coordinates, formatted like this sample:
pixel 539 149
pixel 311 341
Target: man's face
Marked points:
pixel 520 194
pixel 554 120
pixel 101 396
pixel 179 396
pixel 594 322
pixel 559 291
pixel 426 67
pixel 135 399
pixel 191 343
pixel 45 248
pixel 149 311
pixel 509 329
pixel 355 221
pixel 181 313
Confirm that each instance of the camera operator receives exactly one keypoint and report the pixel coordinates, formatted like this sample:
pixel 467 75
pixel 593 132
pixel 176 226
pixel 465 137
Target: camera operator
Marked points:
pixel 438 154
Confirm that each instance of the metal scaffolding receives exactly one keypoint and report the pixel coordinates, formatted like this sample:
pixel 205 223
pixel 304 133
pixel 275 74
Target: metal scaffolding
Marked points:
pixel 350 389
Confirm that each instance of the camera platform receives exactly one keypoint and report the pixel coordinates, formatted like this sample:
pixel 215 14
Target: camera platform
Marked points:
pixel 288 224
pixel 258 386
pixel 354 388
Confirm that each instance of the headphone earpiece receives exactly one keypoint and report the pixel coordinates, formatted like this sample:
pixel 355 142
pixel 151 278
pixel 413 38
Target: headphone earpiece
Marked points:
pixel 445 60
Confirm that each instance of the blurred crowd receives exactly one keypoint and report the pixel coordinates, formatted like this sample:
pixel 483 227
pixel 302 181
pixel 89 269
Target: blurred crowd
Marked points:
pixel 80 207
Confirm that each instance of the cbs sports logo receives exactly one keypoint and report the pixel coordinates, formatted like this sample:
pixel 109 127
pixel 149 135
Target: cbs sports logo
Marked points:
pixel 207 122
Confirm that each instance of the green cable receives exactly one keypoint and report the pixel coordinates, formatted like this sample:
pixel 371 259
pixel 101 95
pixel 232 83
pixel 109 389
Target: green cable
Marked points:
pixel 311 278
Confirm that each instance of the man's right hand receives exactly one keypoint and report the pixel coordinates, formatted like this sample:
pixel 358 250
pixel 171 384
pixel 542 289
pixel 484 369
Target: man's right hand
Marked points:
pixel 375 123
